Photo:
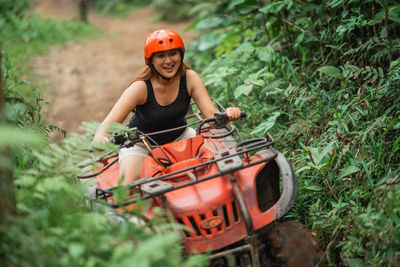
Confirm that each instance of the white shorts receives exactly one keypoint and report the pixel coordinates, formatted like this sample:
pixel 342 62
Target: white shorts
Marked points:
pixel 139 149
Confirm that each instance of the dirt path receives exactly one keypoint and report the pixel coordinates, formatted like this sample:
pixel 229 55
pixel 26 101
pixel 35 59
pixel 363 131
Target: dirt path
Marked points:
pixel 85 79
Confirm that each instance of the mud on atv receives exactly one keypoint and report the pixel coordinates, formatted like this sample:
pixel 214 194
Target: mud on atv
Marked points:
pixel 231 195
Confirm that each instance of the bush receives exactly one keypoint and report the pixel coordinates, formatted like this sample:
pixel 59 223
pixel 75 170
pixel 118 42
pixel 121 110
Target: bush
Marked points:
pixel 15 7
pixel 175 10
pixel 324 79
pixel 118 7
pixel 54 226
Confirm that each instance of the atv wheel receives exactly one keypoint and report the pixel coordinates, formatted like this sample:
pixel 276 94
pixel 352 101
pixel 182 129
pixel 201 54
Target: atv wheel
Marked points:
pixel 290 243
pixel 221 262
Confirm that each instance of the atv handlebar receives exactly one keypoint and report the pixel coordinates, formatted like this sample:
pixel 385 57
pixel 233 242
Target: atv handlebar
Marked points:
pixel 129 138
pixel 220 119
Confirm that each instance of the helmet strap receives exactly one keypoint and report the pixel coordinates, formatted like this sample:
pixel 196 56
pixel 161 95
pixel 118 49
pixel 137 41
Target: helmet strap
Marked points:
pixel 165 78
pixel 156 71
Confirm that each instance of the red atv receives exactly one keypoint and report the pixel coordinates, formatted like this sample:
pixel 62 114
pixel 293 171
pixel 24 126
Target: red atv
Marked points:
pixel 230 195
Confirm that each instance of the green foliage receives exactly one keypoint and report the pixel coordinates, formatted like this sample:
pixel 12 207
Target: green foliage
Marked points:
pixel 23 103
pixel 26 36
pixel 323 77
pixel 118 8
pixel 14 136
pixel 14 7
pixel 54 227
pixel 173 10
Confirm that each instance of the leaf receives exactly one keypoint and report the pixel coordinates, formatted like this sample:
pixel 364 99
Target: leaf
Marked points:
pixel 394 14
pixel 311 189
pixel 353 262
pixel 234 3
pixel 15 136
pixel 275 7
pixel 266 54
pixel 210 23
pixel 244 52
pixel 121 194
pixel 25 181
pixel 76 250
pixel 335 3
pixel 258 82
pixel 347 171
pixel 211 40
pixel 324 155
pixel 243 89
pixel 268 124
pixel 160 243
pixel 300 170
pixel 330 71
pixel 245 9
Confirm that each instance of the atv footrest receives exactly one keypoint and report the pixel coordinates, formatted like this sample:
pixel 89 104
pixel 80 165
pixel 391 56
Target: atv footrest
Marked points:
pixel 241 249
pixel 227 161
pixel 155 187
pixel 103 193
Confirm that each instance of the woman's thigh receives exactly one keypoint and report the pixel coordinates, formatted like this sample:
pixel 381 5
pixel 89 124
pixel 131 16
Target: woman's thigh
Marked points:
pixel 131 159
pixel 129 168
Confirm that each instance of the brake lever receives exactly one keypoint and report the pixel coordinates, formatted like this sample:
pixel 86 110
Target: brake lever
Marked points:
pixel 125 139
pixel 221 119
pixel 118 139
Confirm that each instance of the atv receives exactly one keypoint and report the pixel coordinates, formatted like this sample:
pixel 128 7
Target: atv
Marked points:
pixel 230 195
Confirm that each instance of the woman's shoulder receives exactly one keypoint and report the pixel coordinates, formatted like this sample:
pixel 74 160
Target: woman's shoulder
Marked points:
pixel 194 81
pixel 138 84
pixel 137 89
pixel 193 78
pixel 191 74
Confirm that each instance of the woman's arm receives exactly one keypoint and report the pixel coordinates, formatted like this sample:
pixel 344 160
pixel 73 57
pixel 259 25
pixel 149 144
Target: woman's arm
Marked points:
pixel 200 95
pixel 134 95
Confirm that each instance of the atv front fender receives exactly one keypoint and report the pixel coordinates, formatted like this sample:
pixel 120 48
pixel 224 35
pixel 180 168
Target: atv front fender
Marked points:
pixel 266 204
pixel 290 188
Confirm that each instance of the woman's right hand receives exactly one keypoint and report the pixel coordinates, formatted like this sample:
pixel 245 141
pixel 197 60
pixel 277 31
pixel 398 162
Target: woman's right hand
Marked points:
pixel 233 114
pixel 100 140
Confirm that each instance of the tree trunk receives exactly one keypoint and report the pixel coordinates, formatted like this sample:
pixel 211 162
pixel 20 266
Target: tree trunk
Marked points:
pixel 83 10
pixel 7 191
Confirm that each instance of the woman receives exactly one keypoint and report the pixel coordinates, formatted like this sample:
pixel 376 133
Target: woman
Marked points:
pixel 160 97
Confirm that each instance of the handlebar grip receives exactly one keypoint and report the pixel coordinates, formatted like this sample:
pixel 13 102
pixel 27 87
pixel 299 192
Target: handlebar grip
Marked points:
pixel 118 139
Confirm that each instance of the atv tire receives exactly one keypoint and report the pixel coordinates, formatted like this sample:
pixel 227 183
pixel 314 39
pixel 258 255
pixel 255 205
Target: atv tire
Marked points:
pixel 290 244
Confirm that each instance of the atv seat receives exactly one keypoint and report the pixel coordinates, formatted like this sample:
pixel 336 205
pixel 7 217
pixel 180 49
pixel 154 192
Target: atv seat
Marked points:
pixel 190 150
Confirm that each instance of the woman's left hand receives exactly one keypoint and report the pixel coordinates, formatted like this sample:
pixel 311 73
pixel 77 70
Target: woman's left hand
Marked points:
pixel 232 113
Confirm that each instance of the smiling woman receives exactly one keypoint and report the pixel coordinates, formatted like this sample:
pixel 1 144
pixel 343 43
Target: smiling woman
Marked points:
pixel 160 97
pixel 167 61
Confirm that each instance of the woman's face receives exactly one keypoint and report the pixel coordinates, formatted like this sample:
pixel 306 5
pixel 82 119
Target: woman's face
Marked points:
pixel 167 62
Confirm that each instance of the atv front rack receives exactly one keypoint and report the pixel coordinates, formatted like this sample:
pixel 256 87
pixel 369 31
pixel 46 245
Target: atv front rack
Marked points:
pixel 228 161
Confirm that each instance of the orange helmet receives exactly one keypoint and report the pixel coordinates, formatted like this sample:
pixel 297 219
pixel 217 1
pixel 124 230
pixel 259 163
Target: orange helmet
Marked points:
pixel 162 40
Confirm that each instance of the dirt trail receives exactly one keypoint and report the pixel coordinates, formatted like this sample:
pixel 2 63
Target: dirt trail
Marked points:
pixel 84 79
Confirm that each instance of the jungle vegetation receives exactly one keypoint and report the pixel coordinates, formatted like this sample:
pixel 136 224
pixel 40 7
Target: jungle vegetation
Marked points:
pixel 322 76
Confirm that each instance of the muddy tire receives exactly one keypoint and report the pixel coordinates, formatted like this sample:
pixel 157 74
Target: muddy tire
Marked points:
pixel 290 243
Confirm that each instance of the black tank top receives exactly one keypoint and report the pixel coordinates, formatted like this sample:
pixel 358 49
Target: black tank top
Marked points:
pixel 152 117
